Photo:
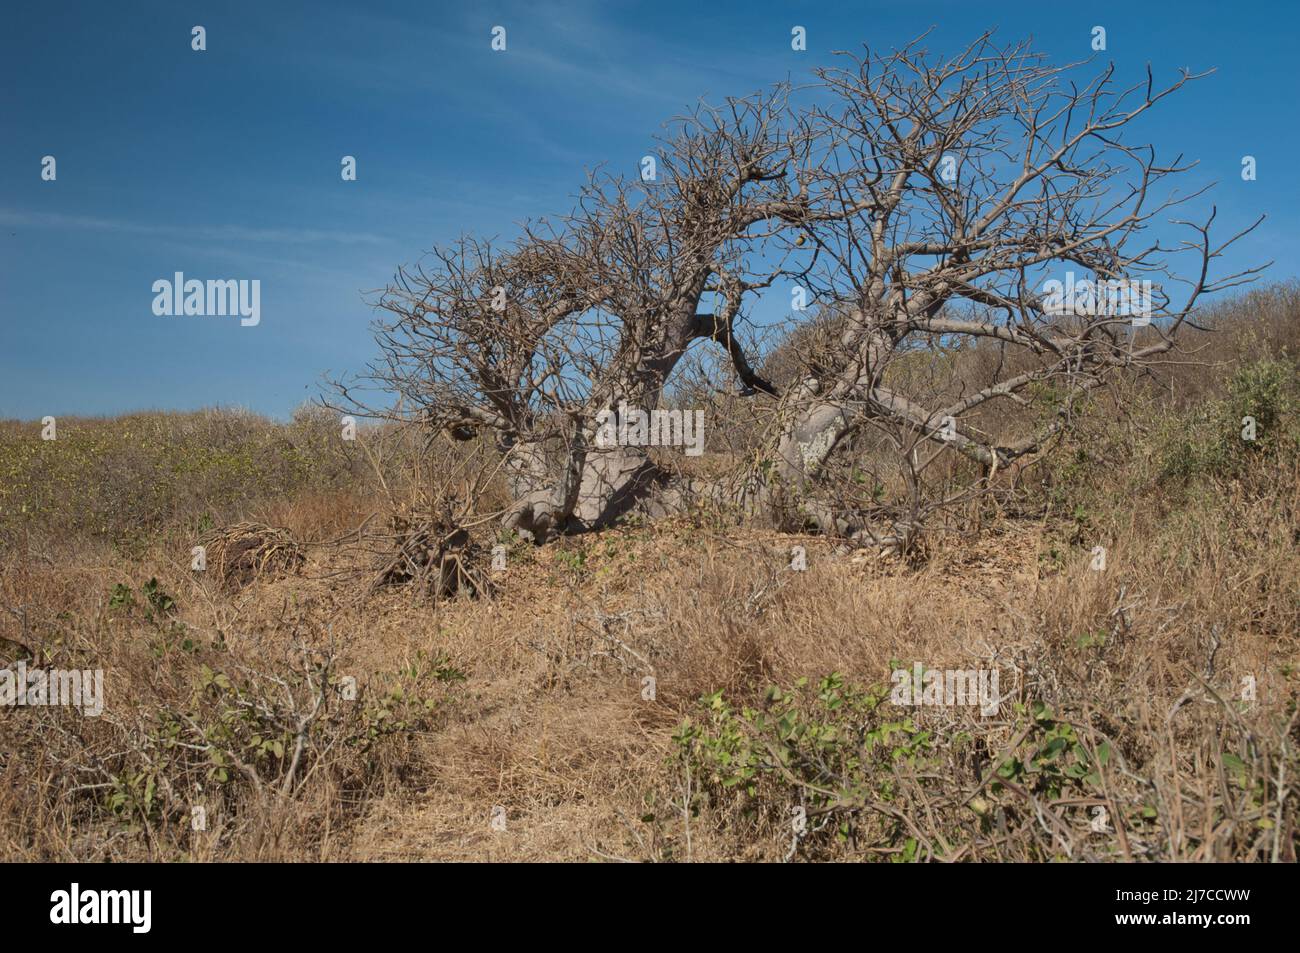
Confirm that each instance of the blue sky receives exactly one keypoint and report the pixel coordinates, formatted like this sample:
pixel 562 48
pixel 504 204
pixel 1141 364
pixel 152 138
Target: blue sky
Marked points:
pixel 225 163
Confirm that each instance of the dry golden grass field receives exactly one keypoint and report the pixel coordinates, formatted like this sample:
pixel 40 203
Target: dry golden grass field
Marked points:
pixel 667 691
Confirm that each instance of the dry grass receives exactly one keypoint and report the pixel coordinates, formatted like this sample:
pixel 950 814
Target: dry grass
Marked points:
pixel 531 702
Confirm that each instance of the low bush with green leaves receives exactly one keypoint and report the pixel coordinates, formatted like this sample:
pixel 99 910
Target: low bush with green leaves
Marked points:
pixel 830 770
pixel 1217 438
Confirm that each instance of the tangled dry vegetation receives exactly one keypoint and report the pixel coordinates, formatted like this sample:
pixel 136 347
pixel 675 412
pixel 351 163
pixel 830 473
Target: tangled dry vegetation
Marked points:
pixel 436 555
pixel 245 552
pixel 667 691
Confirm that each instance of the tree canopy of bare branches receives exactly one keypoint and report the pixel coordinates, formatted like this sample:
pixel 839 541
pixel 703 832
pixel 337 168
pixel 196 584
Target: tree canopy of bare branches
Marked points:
pixel 985 208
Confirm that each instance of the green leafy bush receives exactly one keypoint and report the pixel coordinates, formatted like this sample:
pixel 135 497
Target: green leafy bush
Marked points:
pixel 1212 440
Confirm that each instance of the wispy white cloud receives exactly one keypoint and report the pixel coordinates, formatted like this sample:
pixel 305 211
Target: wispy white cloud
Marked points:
pixel 211 233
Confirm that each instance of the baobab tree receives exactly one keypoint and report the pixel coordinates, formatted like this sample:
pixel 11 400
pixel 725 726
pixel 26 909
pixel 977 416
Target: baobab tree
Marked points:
pixel 981 204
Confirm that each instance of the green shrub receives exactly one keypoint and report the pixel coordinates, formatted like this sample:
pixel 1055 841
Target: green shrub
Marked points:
pixel 828 749
pixel 1212 439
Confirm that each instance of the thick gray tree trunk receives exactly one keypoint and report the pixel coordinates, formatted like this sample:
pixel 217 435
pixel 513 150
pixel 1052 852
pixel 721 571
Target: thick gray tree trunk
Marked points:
pixel 570 484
